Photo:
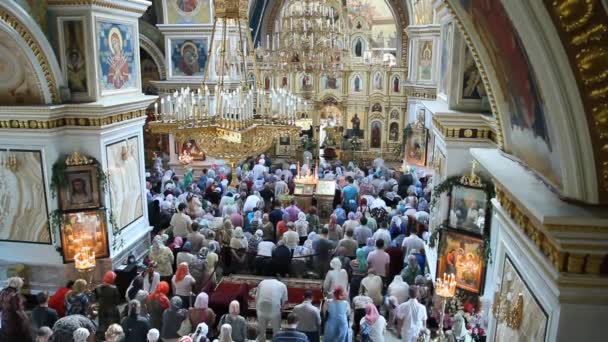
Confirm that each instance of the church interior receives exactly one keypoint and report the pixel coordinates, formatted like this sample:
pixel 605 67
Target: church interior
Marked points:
pixel 498 107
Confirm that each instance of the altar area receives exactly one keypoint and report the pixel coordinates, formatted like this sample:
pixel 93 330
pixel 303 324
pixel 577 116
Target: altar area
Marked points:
pixel 188 155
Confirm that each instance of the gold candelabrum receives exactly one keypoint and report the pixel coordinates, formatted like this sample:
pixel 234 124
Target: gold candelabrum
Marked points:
pixel 229 119
pixel 446 289
pixel 309 36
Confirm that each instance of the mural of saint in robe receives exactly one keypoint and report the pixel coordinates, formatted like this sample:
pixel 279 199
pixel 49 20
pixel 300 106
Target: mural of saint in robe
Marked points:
pixel 119 65
pixel 357 84
pixel 116 56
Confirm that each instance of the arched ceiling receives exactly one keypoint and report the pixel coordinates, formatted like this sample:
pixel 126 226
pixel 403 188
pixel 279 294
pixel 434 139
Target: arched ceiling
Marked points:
pixel 546 65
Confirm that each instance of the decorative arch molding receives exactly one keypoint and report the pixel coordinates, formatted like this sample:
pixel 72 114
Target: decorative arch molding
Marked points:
pixel 34 43
pixel 399 8
pixel 581 167
pixel 157 56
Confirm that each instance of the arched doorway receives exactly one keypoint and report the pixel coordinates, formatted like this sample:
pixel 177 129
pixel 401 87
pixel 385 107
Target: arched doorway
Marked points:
pixel 330 119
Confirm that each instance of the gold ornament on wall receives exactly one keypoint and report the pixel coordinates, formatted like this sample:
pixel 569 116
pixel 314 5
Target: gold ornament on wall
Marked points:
pixel 75 158
pixel 10 161
pixel 472 179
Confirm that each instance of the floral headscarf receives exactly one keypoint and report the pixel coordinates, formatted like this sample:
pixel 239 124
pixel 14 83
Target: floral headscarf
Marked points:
pixel 362 258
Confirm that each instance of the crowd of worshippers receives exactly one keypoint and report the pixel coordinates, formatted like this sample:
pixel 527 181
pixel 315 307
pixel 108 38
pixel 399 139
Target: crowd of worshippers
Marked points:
pixel 369 255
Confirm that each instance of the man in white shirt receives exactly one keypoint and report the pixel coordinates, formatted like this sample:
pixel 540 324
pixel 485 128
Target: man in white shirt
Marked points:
pixel 291 237
pixel 383 234
pixel 270 297
pixel 411 242
pixel 180 222
pixel 413 315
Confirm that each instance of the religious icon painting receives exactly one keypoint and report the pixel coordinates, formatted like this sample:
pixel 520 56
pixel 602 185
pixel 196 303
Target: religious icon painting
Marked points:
pixel 357 84
pixel 74 59
pixel 83 235
pixel 376 135
pixel 188 57
pixel 393 134
pixel 425 60
pixel 116 56
pixel 468 209
pixel 188 12
pixel 463 256
pixel 396 84
pixel 81 190
pixel 416 145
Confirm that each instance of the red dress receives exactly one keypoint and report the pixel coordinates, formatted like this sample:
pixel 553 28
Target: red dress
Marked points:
pixel 57 301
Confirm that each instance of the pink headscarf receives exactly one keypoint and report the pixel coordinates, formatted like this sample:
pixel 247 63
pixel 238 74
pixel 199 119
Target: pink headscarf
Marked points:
pixel 371 313
pixel 202 301
pixel 109 278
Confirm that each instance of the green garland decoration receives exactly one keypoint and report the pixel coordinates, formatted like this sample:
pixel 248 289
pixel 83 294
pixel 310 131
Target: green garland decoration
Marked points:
pixel 446 186
pixel 58 219
pixel 58 179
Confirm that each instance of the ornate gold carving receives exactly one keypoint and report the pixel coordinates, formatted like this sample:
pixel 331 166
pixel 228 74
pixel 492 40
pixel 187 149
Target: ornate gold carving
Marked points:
pixel 468 133
pixel 556 254
pixel 61 122
pixel 582 27
pixel 594 263
pixel 574 14
pixel 576 263
pixel 593 65
pixel 75 159
pixel 36 50
pixel 515 315
pixel 100 3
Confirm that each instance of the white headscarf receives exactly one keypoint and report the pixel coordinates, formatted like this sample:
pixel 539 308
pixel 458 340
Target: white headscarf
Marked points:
pixel 335 264
pixel 201 331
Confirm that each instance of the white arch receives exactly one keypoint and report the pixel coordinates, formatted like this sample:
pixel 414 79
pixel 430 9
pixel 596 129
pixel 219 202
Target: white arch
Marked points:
pixel 557 86
pixel 157 56
pixel 46 56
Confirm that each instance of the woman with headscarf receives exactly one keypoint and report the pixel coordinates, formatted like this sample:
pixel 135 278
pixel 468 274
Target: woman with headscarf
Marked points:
pixel 200 334
pixel 238 250
pixel 366 187
pixel 337 312
pixel 156 303
pixel 136 291
pixel 378 210
pixel 314 222
pixel 202 268
pixel 267 228
pixel 135 325
pixel 108 298
pixel 340 214
pixel 76 301
pixel 363 207
pixel 351 223
pixel 163 257
pixel 398 288
pixel 301 227
pixel 15 321
pixel 182 284
pixel 312 237
pixel 173 318
pixel 373 326
pixel 225 333
pixel 335 231
pixel 397 227
pixel 201 313
pixel 236 322
pixel 337 276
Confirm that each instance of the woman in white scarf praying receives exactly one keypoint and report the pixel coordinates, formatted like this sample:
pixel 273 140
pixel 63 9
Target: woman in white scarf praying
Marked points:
pixel 335 277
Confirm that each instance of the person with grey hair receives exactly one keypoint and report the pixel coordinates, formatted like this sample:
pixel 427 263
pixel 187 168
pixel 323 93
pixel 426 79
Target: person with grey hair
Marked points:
pixel 64 328
pixel 81 335
pixel 153 335
pixel 411 270
pixel 44 334
pixel 172 318
pixel 14 321
pixel 135 325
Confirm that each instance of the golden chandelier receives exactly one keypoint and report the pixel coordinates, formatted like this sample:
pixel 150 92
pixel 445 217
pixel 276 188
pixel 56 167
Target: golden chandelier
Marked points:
pixel 309 36
pixel 232 117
